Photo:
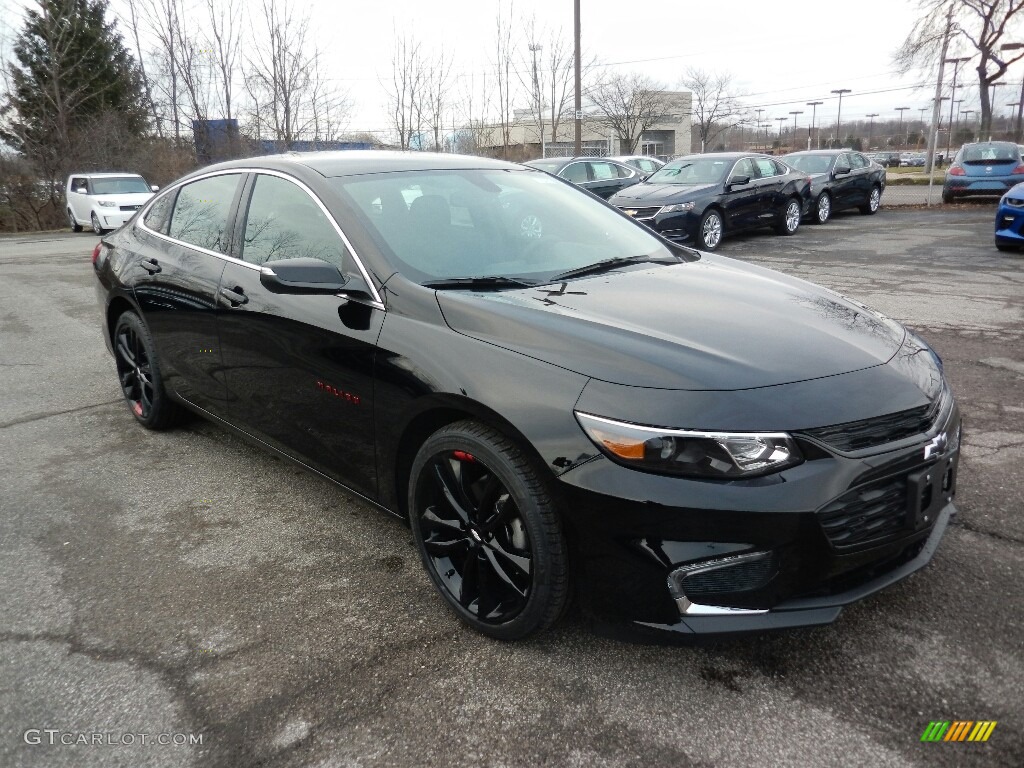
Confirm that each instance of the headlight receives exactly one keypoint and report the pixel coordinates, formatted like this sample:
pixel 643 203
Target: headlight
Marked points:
pixel 691 453
pixel 677 208
pixel 107 204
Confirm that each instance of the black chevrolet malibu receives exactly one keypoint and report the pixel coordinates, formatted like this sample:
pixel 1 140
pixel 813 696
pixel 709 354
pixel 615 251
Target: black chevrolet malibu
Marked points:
pixel 700 199
pixel 557 400
pixel 840 179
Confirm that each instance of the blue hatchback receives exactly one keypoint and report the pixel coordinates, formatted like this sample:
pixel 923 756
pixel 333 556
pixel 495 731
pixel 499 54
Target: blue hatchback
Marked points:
pixel 1010 219
pixel 985 168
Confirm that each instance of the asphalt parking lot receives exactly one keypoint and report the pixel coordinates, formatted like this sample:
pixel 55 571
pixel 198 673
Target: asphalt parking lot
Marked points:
pixel 189 586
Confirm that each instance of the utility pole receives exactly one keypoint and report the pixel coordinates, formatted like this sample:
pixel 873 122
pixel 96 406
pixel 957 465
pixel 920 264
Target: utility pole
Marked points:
pixel 899 131
pixel 780 121
pixel 579 81
pixel 839 115
pixel 537 102
pixel 871 126
pixel 933 130
pixel 794 113
pixel 991 109
pixel 814 116
pixel 952 100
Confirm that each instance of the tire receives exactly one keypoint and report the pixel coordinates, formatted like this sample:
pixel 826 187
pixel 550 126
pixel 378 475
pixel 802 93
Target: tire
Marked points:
pixel 874 201
pixel 96 226
pixel 791 215
pixel 947 197
pixel 1004 247
pixel 822 209
pixel 710 230
pixel 75 226
pixel 139 375
pixel 487 531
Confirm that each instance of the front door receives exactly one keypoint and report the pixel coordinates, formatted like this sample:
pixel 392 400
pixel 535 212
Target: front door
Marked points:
pixel 299 368
pixel 740 200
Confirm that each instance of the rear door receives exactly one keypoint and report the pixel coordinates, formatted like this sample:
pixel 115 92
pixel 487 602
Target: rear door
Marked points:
pixel 299 368
pixel 180 248
pixel 771 179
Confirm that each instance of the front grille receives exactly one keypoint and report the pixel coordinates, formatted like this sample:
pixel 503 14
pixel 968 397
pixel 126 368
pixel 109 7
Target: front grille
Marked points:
pixel 641 213
pixel 872 512
pixel 744 576
pixel 130 207
pixel 869 433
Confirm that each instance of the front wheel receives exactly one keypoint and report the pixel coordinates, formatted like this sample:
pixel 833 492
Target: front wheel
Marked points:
pixel 487 531
pixel 790 218
pixel 822 208
pixel 96 226
pixel 709 231
pixel 874 200
pixel 75 226
pixel 139 374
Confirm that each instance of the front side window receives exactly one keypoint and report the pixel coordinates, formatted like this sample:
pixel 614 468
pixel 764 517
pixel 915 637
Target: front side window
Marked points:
pixel 858 161
pixel 79 183
pixel 201 211
pixel 698 170
pixel 810 163
pixel 574 172
pixel 283 222
pixel 743 168
pixel 843 162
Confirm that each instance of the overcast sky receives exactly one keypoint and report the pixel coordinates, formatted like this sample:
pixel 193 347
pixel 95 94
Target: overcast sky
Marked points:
pixel 781 54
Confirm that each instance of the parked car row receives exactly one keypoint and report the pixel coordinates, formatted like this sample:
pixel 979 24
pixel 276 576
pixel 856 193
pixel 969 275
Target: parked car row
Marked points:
pixel 574 407
pixel 699 199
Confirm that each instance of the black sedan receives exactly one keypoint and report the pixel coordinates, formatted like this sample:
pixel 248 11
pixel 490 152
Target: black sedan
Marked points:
pixel 840 179
pixel 701 198
pixel 689 443
pixel 599 175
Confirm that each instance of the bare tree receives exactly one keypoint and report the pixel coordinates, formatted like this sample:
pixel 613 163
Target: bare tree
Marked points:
pixel 981 24
pixel 292 100
pixel 503 52
pixel 163 21
pixel 715 107
pixel 406 92
pixel 223 42
pixel 629 104
pixel 435 95
pixel 477 132
pixel 134 23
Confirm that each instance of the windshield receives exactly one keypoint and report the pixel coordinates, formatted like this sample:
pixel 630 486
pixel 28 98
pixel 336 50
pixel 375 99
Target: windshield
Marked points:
pixel 521 224
pixel 703 170
pixel 809 163
pixel 122 185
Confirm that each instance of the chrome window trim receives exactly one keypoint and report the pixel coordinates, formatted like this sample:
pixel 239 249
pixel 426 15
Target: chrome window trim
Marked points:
pixel 376 301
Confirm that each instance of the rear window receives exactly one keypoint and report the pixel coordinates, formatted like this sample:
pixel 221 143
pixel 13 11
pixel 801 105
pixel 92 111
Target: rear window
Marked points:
pixel 986 154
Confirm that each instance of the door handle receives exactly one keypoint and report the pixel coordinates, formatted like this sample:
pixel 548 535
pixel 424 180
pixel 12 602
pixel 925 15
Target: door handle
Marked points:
pixel 151 266
pixel 236 296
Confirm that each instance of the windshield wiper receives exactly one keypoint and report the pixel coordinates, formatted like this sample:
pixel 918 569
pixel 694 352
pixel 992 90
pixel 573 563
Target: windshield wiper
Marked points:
pixel 483 281
pixel 608 264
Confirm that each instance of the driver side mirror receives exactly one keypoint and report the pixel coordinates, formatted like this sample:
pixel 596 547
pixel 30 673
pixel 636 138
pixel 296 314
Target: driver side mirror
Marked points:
pixel 154 187
pixel 841 170
pixel 738 181
pixel 304 275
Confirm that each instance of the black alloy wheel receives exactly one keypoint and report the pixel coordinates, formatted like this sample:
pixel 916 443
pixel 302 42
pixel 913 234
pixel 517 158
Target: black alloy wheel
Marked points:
pixel 139 374
pixel 75 226
pixel 487 531
pixel 822 209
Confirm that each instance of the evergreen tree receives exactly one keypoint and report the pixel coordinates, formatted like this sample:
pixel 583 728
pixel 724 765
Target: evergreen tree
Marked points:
pixel 73 84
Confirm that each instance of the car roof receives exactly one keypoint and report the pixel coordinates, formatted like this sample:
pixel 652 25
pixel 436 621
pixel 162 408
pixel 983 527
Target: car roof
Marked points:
pixel 104 175
pixel 820 152
pixel 721 155
pixel 355 162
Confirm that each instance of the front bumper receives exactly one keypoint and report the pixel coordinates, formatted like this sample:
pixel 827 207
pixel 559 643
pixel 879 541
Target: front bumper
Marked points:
pixel 790 549
pixel 1010 223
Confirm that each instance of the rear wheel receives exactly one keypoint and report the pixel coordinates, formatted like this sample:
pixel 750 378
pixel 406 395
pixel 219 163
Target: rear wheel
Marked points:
pixel 139 374
pixel 947 197
pixel 874 200
pixel 710 230
pixel 790 218
pixel 75 226
pixel 487 531
pixel 822 209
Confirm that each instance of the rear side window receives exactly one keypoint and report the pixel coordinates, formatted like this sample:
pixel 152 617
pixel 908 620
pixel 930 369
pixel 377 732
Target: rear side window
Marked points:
pixel 201 212
pixel 284 222
pixel 160 213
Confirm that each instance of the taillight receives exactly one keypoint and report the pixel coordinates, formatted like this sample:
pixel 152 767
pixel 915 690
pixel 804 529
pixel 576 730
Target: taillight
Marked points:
pixel 956 170
pixel 96 253
pixel 1019 169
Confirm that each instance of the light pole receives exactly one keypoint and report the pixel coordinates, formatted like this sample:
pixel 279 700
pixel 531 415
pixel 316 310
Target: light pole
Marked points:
pixel 534 49
pixel 780 121
pixel 839 114
pixel 966 112
pixel 924 128
pixel 794 113
pixel 991 109
pixel 766 126
pixel 952 93
pixel 871 126
pixel 814 115
pixel 899 131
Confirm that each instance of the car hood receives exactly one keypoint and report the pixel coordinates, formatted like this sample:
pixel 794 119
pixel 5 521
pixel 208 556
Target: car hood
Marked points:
pixel 644 193
pixel 711 324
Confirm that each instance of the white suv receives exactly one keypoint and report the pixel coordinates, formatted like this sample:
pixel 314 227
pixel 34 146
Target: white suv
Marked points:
pixel 105 200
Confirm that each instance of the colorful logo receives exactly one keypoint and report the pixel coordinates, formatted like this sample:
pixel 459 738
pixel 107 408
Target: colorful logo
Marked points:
pixel 959 730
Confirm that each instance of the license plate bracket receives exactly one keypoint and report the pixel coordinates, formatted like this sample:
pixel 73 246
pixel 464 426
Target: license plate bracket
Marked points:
pixel 929 490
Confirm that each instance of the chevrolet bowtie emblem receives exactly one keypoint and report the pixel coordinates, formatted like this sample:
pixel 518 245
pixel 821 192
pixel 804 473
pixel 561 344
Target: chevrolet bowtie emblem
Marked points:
pixel 630 212
pixel 935 446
